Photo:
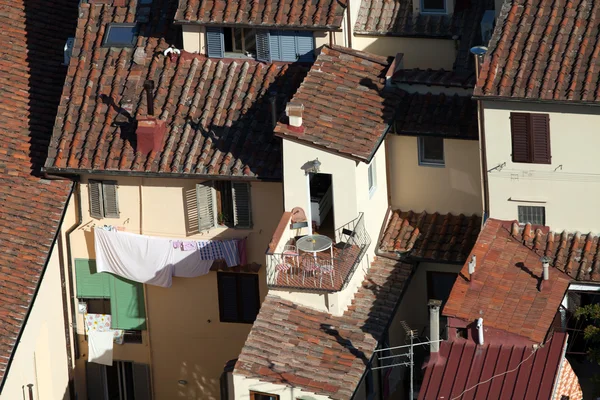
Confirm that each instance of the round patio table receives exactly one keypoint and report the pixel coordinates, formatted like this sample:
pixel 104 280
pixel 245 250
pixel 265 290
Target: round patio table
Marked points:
pixel 314 244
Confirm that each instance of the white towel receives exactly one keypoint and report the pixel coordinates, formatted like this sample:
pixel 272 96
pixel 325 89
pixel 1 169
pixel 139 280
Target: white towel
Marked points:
pixel 139 258
pixel 100 347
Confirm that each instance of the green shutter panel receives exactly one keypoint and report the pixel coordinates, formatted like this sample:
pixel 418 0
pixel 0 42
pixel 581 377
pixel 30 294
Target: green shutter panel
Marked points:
pixel 242 207
pixel 305 46
pixel 214 42
pixel 91 284
pixel 96 203
pixel 109 195
pixel 127 304
pixel 206 206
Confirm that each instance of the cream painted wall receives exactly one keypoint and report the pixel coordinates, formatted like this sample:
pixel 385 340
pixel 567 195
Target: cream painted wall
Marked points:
pixel 185 339
pixel 454 188
pixel 568 187
pixel 193 38
pixel 243 385
pixel 41 356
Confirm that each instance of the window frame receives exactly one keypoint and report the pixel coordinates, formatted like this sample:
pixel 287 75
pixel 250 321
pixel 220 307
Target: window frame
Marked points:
pixel 216 196
pixel 221 295
pixel 372 177
pixel 102 199
pixel 254 393
pixel 530 207
pixel 425 10
pixel 430 162
pixel 121 25
pixel 530 138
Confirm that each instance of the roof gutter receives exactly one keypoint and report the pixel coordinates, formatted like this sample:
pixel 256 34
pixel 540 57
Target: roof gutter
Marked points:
pixel 265 26
pixel 35 293
pixel 349 24
pixel 536 101
pixel 69 172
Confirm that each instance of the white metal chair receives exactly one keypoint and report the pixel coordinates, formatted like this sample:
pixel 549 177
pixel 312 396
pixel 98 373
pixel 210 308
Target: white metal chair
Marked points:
pixel 309 266
pixel 326 268
pixel 285 268
pixel 291 252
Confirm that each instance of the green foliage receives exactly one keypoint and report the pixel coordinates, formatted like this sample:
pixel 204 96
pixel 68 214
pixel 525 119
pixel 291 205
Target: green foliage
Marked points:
pixel 591 314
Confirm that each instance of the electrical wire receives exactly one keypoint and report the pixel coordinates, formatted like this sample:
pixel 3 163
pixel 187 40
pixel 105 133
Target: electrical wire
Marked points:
pixel 498 375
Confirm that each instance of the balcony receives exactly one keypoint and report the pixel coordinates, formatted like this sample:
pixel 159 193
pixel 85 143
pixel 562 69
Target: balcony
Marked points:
pixel 325 271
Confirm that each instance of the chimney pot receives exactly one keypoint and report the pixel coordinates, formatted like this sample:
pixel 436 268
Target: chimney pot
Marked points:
pixel 149 134
pixel 480 331
pixel 546 267
pixel 472 265
pixel 434 325
pixel 294 112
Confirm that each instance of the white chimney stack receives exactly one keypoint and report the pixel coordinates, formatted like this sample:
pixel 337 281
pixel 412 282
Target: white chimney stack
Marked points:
pixel 294 112
pixel 546 266
pixel 434 325
pixel 472 265
pixel 480 331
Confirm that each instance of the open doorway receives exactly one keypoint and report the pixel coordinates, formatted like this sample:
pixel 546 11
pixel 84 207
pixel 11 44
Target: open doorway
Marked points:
pixel 321 204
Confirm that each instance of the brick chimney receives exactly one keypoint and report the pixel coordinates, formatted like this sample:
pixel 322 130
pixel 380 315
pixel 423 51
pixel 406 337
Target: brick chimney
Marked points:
pixel 150 131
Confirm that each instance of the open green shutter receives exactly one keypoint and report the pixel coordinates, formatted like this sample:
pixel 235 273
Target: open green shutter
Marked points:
pixel 206 205
pixel 242 207
pixel 127 304
pixel 109 197
pixel 91 284
pixel 96 202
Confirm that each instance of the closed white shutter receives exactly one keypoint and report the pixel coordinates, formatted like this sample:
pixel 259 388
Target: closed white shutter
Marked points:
pixel 214 42
pixel 305 46
pixel 111 203
pixel 242 207
pixel 96 202
pixel 206 205
pixel 274 46
pixel 289 52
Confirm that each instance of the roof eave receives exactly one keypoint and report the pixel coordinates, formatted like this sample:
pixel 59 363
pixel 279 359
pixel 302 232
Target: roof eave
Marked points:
pixel 326 28
pixel 535 101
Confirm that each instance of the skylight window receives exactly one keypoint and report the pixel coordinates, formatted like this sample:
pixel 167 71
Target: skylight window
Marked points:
pixel 120 35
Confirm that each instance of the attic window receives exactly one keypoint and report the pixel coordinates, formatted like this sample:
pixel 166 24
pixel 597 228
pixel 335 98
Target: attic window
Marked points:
pixel 120 35
pixel 433 6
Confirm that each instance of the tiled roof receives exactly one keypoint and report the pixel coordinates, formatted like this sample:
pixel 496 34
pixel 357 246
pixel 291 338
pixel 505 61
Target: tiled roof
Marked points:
pixel 514 372
pixel 346 108
pixel 543 50
pixel 453 117
pixel 461 79
pixel 507 290
pixel 296 346
pixel 433 237
pixel 316 14
pixel 31 78
pixel 218 117
pixel 396 18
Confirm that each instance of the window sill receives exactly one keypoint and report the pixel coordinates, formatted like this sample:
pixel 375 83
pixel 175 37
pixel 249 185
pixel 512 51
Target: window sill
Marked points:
pixel 434 12
pixel 431 164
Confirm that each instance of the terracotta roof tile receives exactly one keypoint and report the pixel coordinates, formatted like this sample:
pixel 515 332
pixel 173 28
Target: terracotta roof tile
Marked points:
pixel 433 237
pixel 218 119
pixel 456 79
pixel 544 50
pixel 453 117
pixel 31 78
pixel 505 289
pixel 347 109
pixel 396 18
pixel 317 14
pixel 315 351
pixel 465 366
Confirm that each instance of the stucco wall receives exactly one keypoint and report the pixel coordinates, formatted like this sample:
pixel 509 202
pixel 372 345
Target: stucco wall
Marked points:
pixel 454 188
pixel 185 339
pixel 568 187
pixel 243 386
pixel 193 38
pixel 41 356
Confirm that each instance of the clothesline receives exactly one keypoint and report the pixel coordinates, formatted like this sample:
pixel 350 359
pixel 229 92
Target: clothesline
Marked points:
pixel 153 260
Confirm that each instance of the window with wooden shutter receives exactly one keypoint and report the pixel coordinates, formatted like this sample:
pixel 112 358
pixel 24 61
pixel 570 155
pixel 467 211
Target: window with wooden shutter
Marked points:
pixel 109 197
pixel 206 205
pixel 274 46
pixel 96 202
pixel 127 304
pixel 530 135
pixel 141 381
pixel 239 299
pixel 305 46
pixel 91 284
pixel 287 46
pixel 215 45
pixel 242 207
pixel 263 52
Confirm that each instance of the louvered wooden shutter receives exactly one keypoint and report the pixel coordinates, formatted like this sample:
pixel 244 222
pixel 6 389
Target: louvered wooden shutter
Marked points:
pixel 141 382
pixel 274 45
pixel 127 307
pixel 305 45
pixel 110 200
pixel 540 138
pixel 519 127
pixel 215 45
pixel 95 381
pixel 289 52
pixel 249 296
pixel 263 52
pixel 242 207
pixel 206 206
pixel 96 202
pixel 91 284
pixel 228 297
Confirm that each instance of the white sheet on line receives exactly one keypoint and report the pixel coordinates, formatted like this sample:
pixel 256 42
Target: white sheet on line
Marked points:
pixel 100 347
pixel 187 264
pixel 139 258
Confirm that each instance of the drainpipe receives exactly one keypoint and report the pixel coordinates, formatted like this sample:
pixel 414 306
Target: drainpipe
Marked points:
pixel 480 331
pixel 434 325
pixel 349 25
pixel 70 265
pixel 479 52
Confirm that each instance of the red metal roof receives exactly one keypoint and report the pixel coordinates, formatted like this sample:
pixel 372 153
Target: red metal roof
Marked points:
pixel 463 370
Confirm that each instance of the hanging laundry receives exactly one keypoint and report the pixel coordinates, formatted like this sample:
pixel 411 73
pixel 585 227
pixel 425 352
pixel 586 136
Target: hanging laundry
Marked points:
pixel 210 250
pixel 189 246
pixel 139 258
pixel 102 323
pixel 241 243
pixel 231 253
pixel 100 347
pixel 188 264
pixel 176 244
